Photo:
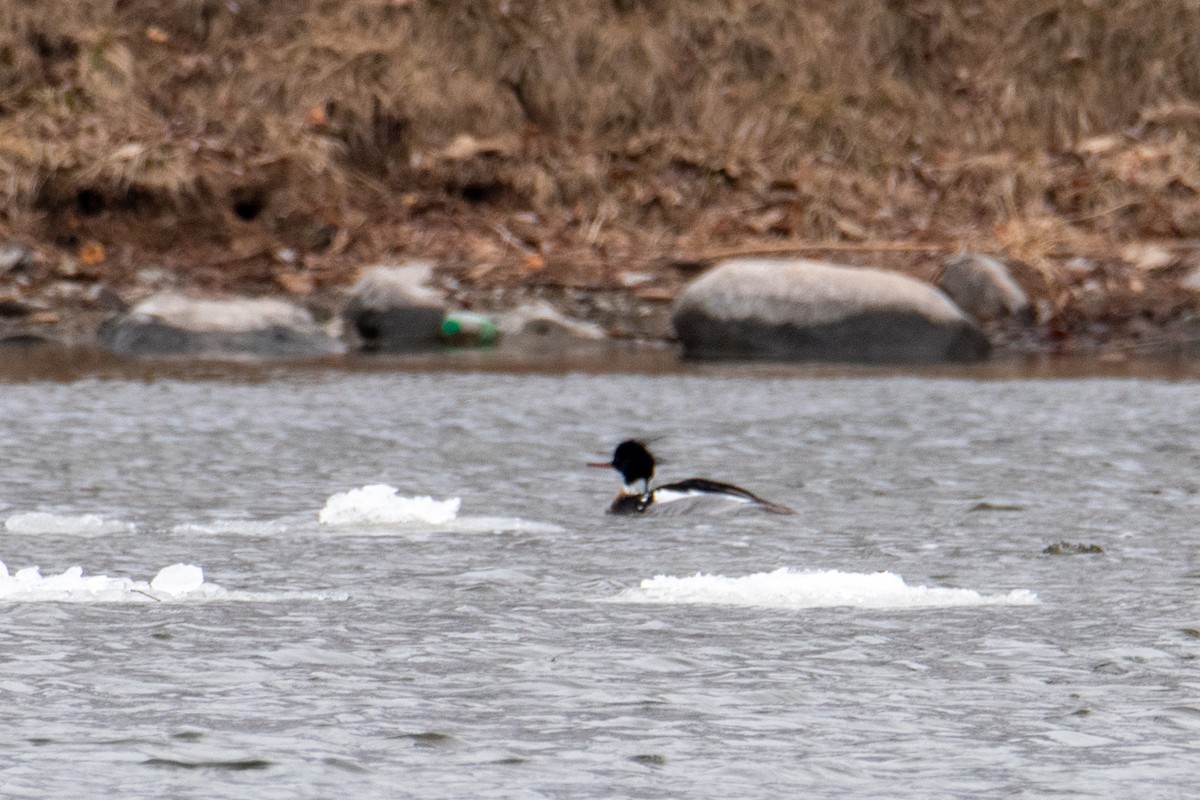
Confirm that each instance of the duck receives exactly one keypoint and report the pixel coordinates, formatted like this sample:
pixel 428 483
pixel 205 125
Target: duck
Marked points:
pixel 635 464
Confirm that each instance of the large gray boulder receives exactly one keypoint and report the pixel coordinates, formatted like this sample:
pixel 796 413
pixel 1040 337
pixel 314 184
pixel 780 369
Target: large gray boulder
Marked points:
pixel 799 310
pixel 983 287
pixel 391 309
pixel 175 325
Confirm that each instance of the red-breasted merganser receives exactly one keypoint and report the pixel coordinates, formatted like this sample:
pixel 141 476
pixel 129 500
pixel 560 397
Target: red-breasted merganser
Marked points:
pixel 695 495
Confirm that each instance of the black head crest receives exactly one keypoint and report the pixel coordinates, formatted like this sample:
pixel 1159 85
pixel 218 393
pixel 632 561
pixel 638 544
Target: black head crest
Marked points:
pixel 633 461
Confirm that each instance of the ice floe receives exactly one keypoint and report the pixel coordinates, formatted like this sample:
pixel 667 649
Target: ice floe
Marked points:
pixel 378 508
pixel 41 522
pixel 785 588
pixel 380 504
pixel 176 583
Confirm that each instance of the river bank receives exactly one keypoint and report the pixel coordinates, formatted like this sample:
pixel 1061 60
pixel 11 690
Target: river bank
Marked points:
pixel 600 155
pixel 1110 310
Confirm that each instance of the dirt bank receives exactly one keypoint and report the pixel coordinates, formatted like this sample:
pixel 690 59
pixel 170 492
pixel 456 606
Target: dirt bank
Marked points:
pixel 601 153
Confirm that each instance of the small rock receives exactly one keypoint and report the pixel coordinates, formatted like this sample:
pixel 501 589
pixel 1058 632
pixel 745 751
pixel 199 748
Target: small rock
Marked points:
pixel 104 297
pixel 68 267
pixel 1191 281
pixel 171 324
pixel 1091 297
pixel 804 310
pixel 391 309
pixel 157 278
pixel 286 255
pixel 630 279
pixel 1067 549
pixel 64 292
pixel 986 506
pixel 983 287
pixel 14 257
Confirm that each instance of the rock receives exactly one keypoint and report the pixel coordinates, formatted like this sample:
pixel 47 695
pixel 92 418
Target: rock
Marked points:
pixel 68 267
pixel 982 286
pixel 105 298
pixel 1091 297
pixel 1065 548
pixel 15 257
pixel 391 310
pixel 172 324
pixel 157 278
pixel 62 292
pixel 13 306
pixel 813 311
pixel 542 321
pixel 1191 281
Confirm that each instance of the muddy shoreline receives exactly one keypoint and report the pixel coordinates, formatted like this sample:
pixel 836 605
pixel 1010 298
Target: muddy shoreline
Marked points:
pixel 54 363
pixel 1115 311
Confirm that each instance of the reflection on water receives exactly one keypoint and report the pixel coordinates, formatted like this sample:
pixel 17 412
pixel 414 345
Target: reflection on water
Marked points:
pixel 529 645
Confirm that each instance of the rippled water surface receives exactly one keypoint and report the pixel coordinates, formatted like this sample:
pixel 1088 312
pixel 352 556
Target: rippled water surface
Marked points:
pixel 515 652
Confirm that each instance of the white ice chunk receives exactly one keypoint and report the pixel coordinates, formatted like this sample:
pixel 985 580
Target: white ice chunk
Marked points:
pixel 379 504
pixel 71 586
pixel 785 588
pixel 41 522
pixel 179 583
pixel 178 579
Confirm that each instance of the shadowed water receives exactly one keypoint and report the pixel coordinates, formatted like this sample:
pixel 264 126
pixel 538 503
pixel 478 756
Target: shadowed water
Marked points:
pixel 515 653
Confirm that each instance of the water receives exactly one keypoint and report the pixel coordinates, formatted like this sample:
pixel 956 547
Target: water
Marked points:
pixel 525 645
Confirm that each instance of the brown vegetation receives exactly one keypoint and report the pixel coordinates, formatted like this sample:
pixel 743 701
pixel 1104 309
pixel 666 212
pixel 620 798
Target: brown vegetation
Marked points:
pixel 267 144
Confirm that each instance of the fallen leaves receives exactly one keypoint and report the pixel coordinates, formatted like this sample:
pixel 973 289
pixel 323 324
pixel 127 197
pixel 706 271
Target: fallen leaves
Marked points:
pixel 91 253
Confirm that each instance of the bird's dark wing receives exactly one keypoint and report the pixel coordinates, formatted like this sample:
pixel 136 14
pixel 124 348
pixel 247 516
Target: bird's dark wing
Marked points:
pixel 706 486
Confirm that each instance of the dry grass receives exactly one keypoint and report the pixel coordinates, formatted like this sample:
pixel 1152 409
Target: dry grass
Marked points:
pixel 577 135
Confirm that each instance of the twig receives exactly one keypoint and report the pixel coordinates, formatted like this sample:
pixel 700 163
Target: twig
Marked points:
pixel 1104 212
pixel 507 236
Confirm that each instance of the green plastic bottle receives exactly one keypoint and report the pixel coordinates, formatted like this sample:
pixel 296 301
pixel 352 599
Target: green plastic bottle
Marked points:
pixel 469 329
